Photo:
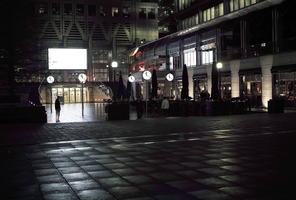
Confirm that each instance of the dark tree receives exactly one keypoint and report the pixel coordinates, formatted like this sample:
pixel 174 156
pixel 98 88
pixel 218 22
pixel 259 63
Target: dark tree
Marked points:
pixel 128 89
pixel 215 87
pixel 120 89
pixel 154 84
pixel 185 84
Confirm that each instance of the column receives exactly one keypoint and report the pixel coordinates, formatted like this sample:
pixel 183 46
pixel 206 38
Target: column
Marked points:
pixel 190 81
pixel 266 63
pixel 234 67
pixel 209 74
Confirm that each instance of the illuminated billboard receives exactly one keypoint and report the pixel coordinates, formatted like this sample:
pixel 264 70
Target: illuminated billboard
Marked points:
pixel 63 58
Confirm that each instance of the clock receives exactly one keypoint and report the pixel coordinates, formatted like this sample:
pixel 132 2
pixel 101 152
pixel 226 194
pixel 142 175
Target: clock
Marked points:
pixel 170 77
pixel 147 75
pixel 131 78
pixel 82 78
pixel 50 79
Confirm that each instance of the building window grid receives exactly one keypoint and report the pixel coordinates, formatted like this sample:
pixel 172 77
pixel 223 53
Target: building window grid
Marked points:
pixel 190 57
pixel 206 57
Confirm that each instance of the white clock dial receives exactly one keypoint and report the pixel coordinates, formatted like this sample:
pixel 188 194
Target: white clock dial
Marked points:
pixel 50 79
pixel 147 75
pixel 131 79
pixel 169 77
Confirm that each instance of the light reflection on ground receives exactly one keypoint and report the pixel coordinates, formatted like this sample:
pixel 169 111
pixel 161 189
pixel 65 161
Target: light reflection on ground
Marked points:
pixel 73 113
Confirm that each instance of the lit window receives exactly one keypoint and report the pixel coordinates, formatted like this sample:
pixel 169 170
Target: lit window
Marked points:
pixel 212 12
pixel 190 57
pixel 253 1
pixel 242 3
pixel 42 9
pixel 221 9
pixel 115 12
pixel 204 15
pixel 171 63
pixel 248 2
pixel 196 19
pixel 206 57
pixel 235 4
pixel 231 5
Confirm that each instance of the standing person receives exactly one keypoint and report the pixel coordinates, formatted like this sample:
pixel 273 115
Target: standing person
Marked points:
pixel 57 106
pixel 165 105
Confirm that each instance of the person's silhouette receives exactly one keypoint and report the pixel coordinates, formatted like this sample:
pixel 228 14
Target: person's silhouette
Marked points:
pixel 57 106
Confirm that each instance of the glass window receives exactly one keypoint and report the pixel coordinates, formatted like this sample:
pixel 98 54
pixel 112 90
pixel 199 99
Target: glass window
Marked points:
pixel 115 12
pixel 55 8
pixel 79 9
pixel 208 14
pixel 196 19
pixel 102 11
pixel 212 12
pixel 231 7
pixel 247 2
pixel 253 1
pixel 91 10
pixel 68 9
pixel 204 15
pixel 171 62
pixel 42 8
pixel 142 13
pixel 206 57
pixel 190 57
pixel 235 4
pixel 125 12
pixel 242 3
pixel 221 9
pixel 151 14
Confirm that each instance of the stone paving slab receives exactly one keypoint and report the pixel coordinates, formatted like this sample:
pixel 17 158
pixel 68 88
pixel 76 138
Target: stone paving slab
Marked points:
pixel 201 162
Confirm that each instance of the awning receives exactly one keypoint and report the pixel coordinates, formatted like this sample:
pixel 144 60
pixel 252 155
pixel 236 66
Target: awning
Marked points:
pixel 250 71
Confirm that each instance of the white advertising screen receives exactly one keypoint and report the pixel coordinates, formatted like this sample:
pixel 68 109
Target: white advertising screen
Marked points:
pixel 59 58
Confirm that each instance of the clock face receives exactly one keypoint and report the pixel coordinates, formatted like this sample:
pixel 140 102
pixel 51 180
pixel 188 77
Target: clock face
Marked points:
pixel 169 77
pixel 147 75
pixel 50 79
pixel 82 78
pixel 131 79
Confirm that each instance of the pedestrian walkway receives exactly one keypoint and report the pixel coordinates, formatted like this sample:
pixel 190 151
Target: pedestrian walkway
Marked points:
pixel 225 157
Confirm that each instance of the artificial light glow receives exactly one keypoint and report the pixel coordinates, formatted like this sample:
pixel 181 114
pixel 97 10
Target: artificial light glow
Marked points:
pixel 114 64
pixel 219 65
pixel 63 58
pixel 82 78
pixel 131 78
pixel 50 79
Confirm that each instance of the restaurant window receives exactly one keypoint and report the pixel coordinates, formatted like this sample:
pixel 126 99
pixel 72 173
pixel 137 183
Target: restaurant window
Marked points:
pixel 91 10
pixel 80 9
pixel 285 87
pixel 55 8
pixel 68 9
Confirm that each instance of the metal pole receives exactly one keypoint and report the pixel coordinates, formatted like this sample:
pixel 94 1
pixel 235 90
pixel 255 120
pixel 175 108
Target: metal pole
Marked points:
pixel 50 99
pixel 146 98
pixel 82 102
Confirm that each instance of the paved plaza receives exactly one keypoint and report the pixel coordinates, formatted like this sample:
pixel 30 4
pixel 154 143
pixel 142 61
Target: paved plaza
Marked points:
pixel 225 157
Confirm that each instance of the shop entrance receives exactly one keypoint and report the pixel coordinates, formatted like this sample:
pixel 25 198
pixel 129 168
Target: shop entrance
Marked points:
pixel 69 95
pixel 251 88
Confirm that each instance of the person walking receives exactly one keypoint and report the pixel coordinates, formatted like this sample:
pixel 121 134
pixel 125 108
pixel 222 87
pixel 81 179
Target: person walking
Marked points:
pixel 57 106
pixel 165 105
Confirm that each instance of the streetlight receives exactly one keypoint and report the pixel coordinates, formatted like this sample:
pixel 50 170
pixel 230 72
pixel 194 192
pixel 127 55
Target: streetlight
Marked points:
pixel 50 80
pixel 147 76
pixel 219 66
pixel 82 78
